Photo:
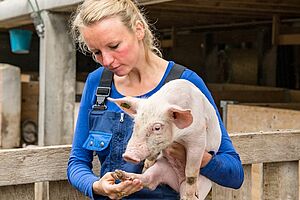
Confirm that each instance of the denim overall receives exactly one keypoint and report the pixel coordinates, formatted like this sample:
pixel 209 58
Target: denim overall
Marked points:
pixel 108 136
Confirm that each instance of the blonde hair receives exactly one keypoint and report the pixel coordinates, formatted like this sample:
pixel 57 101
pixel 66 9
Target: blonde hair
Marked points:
pixel 92 11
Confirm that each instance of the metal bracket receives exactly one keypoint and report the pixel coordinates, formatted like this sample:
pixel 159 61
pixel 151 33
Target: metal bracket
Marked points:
pixel 223 105
pixel 37 19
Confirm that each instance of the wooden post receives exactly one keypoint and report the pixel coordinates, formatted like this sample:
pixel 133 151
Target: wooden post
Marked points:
pixel 263 45
pixel 57 87
pixel 10 102
pixel 57 82
pixel 275 29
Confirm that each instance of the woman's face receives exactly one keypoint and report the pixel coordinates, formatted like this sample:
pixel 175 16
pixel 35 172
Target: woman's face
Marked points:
pixel 114 45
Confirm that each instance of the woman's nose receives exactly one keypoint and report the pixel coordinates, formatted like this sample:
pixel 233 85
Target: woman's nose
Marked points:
pixel 107 59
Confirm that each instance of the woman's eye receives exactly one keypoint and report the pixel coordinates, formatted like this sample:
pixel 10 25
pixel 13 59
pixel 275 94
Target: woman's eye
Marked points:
pixel 114 46
pixel 97 52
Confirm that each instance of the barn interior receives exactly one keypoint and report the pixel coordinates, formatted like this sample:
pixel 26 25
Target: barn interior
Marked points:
pixel 246 42
pixel 246 51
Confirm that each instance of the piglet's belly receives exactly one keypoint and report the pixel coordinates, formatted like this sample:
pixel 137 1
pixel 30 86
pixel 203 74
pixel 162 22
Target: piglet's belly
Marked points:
pixel 177 166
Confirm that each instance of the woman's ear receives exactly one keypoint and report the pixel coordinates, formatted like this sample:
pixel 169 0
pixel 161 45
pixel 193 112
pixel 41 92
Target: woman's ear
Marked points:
pixel 139 30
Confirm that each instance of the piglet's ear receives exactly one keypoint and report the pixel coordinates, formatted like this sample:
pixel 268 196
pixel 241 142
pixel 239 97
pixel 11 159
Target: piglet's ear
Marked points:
pixel 182 118
pixel 128 104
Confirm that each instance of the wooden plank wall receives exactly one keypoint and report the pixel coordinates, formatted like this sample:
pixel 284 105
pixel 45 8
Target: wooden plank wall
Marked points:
pixel 281 178
pixel 17 192
pixel 241 118
pixel 263 118
pixel 63 190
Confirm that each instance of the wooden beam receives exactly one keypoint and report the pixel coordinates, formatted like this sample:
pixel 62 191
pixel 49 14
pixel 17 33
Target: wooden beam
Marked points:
pixel 167 43
pixel 250 118
pixel 289 39
pixel 30 165
pixel 13 16
pixel 204 9
pixel 265 147
pixel 250 96
pixel 289 106
pixel 22 166
pixel 237 6
pixel 151 2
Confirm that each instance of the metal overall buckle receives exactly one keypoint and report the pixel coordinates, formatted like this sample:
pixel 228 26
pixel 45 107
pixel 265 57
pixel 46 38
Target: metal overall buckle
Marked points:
pixel 102 93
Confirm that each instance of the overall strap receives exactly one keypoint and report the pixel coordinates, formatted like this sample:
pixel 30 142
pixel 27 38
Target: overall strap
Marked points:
pixel 175 72
pixel 103 90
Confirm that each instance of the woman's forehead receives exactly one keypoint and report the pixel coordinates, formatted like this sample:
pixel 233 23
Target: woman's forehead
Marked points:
pixel 104 32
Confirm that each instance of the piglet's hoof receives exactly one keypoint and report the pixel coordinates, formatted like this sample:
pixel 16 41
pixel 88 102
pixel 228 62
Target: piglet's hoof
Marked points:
pixel 193 198
pixel 189 198
pixel 120 175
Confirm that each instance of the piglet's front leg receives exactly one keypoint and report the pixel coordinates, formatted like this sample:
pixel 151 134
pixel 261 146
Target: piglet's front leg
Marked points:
pixel 193 161
pixel 160 172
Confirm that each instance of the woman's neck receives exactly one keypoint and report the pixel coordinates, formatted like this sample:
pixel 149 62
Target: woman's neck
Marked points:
pixel 142 78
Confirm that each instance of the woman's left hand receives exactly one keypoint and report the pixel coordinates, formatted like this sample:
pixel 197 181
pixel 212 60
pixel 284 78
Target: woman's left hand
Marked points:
pixel 177 151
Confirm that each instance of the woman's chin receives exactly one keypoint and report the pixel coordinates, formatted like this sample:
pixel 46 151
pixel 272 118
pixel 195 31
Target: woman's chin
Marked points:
pixel 120 72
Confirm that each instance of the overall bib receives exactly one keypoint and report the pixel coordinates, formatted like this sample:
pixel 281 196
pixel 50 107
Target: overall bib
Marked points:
pixel 109 134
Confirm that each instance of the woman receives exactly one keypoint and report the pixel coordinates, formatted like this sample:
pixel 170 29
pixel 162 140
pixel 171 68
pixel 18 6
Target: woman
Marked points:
pixel 119 38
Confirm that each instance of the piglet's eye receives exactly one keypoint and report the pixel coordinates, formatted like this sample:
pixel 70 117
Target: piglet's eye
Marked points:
pixel 157 127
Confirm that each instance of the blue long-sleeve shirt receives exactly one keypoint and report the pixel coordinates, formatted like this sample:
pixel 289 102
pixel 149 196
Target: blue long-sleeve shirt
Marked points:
pixel 224 168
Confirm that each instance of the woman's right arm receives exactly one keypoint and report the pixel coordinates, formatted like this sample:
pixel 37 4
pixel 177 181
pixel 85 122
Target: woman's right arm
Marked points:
pixel 79 169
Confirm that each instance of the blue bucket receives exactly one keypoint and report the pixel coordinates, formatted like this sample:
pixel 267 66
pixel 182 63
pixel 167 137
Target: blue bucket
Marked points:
pixel 20 40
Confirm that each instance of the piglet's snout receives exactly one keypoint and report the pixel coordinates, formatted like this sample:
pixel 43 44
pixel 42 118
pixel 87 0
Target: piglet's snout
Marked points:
pixel 131 158
pixel 136 154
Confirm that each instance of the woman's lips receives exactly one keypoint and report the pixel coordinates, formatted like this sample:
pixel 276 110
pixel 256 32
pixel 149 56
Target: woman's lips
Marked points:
pixel 115 68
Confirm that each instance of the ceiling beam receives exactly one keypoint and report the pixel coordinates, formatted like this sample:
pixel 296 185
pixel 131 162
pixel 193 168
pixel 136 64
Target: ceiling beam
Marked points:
pixel 13 12
pixel 208 6
pixel 151 2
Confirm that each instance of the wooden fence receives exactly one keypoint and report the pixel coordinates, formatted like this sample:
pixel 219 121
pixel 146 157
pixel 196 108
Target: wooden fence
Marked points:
pixel 279 150
pixel 247 117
